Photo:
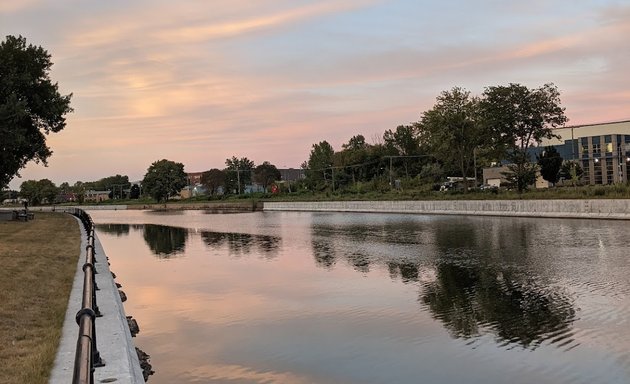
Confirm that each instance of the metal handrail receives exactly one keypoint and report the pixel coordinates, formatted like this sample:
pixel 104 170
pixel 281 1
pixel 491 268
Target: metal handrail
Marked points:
pixel 87 356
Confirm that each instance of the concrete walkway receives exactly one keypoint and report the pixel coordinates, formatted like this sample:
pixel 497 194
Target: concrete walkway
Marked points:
pixel 112 332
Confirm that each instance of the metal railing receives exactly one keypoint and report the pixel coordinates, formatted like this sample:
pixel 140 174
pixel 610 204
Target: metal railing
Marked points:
pixel 87 356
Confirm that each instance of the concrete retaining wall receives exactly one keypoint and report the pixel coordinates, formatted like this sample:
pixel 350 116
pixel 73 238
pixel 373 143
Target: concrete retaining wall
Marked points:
pixel 113 337
pixel 595 209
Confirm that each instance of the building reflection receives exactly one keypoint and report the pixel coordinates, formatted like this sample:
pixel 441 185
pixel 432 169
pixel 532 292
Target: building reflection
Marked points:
pixel 243 243
pixel 165 241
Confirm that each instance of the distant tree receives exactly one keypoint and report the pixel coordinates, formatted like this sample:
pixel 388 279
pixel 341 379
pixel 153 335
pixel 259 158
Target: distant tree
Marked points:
pixel 452 130
pixel 518 118
pixel 38 192
pixel 238 173
pixel 571 170
pixel 164 178
pixel 213 179
pixel 550 163
pixel 30 106
pixel 134 191
pixel 319 165
pixel 355 143
pixel 404 140
pixel 265 174
pixel 115 184
pixel 30 192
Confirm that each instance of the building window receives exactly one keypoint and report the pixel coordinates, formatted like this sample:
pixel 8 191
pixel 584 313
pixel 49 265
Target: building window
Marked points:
pixel 596 148
pixel 609 147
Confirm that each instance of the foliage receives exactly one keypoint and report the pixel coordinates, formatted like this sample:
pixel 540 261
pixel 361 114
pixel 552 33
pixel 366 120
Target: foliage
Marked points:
pixel 38 192
pixel 571 170
pixel 550 162
pixel 30 106
pixel 164 178
pixel 452 129
pixel 265 174
pixel 238 174
pixel 212 180
pixel 319 166
pixel 134 191
pixel 518 118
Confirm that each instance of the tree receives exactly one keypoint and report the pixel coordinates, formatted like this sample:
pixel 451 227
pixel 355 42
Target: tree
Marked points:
pixel 238 174
pixel 134 191
pixel 30 106
pixel 37 192
pixel 164 178
pixel 452 130
pixel 571 170
pixel 403 142
pixel 518 118
pixel 212 180
pixel 319 165
pixel 550 162
pixel 265 174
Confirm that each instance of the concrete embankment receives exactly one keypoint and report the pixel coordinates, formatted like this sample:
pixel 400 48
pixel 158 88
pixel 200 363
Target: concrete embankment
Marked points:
pixel 113 337
pixel 590 209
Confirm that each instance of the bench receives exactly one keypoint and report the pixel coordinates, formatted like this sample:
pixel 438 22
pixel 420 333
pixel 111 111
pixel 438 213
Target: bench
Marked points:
pixel 23 215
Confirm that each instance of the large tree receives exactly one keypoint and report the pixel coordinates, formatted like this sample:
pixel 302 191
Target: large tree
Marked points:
pixel 37 192
pixel 265 174
pixel 212 180
pixel 30 106
pixel 319 166
pixel 164 178
pixel 452 130
pixel 519 118
pixel 238 173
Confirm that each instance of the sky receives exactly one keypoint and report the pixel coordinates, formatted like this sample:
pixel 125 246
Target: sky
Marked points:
pixel 198 82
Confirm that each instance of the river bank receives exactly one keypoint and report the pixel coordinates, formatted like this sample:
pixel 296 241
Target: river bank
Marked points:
pixel 575 208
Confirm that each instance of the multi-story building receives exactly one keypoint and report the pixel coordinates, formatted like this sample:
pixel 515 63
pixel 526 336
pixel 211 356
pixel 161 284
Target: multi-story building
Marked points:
pixel 602 150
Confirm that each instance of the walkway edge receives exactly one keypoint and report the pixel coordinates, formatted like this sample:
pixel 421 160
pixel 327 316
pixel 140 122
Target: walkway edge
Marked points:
pixel 113 337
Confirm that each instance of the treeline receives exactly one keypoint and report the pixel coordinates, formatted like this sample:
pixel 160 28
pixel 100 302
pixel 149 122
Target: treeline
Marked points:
pixel 459 136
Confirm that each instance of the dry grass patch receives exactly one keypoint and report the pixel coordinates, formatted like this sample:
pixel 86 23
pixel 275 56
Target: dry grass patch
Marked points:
pixel 38 260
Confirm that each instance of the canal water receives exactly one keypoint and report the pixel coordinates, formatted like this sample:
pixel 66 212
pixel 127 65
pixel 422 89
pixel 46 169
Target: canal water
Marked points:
pixel 288 297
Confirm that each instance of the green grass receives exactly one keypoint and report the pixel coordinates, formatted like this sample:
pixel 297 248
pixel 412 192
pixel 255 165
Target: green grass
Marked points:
pixel 38 260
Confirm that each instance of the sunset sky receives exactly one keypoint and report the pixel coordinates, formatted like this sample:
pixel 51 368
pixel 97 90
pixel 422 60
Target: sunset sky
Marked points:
pixel 201 81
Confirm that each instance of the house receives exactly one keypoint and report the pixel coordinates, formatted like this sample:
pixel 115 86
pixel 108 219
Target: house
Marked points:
pixel 96 196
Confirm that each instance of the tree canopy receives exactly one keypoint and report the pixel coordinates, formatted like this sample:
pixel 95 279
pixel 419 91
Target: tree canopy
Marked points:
pixel 30 106
pixel 238 173
pixel 212 180
pixel 452 129
pixel 518 118
pixel 265 174
pixel 164 178
pixel 550 163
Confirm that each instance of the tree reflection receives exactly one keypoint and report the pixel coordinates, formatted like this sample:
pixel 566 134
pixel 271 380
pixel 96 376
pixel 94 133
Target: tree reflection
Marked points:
pixel 467 299
pixel 243 243
pixel 114 229
pixel 165 241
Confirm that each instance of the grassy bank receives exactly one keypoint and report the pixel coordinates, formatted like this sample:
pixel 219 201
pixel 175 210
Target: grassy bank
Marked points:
pixel 38 260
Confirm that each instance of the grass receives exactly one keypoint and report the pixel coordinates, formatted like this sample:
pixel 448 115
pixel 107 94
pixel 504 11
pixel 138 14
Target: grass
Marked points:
pixel 38 260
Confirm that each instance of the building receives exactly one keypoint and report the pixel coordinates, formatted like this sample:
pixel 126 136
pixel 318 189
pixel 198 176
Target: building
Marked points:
pixel 602 150
pixel 96 196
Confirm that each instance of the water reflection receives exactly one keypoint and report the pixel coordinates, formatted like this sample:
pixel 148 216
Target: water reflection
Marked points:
pixel 473 279
pixel 469 300
pixel 164 241
pixel 243 243
pixel 114 229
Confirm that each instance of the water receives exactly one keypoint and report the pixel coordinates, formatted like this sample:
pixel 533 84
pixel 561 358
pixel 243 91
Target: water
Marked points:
pixel 290 297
